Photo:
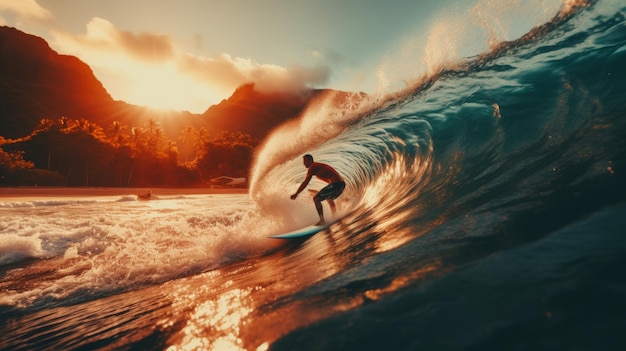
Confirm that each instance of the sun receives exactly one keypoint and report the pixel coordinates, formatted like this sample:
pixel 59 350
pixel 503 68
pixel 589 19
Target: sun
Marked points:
pixel 157 85
pixel 164 87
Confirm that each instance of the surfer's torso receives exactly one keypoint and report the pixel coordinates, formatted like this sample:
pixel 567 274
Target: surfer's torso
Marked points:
pixel 324 172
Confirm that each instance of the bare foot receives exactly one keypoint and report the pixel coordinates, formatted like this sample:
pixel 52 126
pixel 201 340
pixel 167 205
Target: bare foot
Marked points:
pixel 320 223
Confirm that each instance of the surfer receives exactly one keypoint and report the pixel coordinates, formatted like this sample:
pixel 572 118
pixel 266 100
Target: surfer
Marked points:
pixel 330 192
pixel 146 196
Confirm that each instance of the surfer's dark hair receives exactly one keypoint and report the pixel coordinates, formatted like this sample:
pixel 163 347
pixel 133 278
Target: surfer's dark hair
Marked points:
pixel 307 156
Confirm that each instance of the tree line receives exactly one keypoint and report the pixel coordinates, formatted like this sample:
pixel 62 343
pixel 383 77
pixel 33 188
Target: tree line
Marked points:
pixel 68 152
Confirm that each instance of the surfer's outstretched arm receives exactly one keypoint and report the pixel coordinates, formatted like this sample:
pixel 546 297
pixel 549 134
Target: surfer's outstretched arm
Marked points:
pixel 303 185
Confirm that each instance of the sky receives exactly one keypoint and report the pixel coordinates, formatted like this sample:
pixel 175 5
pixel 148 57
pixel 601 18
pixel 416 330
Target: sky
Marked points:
pixel 191 54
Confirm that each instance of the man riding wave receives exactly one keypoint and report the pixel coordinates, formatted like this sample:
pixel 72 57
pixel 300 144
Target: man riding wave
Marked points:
pixel 330 192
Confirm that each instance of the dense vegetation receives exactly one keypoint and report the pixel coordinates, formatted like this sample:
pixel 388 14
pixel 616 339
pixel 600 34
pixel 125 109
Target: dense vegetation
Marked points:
pixel 67 152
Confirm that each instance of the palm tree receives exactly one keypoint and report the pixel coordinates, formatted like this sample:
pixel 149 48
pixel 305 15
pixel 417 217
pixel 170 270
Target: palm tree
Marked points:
pixel 117 134
pixel 202 137
pixel 44 125
pixel 63 122
pixel 155 135
pixel 187 136
pixel 97 132
pixel 67 124
pixel 92 129
pixel 118 138
pixel 137 139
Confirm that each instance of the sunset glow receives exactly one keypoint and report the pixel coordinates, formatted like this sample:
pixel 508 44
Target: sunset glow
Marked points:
pixel 164 87
pixel 190 54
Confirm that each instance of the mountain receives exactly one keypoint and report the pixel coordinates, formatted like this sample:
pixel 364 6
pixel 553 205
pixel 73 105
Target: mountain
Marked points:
pixel 36 82
pixel 255 113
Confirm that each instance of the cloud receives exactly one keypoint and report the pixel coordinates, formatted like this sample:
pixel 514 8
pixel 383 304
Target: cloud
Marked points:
pixel 329 55
pixel 145 67
pixel 230 73
pixel 113 52
pixel 102 35
pixel 25 9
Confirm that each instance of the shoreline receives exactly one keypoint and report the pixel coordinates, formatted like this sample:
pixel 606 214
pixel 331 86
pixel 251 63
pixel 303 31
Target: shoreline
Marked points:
pixel 21 192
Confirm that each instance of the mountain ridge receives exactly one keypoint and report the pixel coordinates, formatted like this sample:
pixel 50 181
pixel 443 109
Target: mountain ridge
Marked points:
pixel 36 82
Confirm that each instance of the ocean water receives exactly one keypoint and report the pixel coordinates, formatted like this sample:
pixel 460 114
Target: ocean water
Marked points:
pixel 485 210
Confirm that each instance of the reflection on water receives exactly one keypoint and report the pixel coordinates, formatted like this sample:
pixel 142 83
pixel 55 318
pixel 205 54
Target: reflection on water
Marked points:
pixel 244 306
pixel 401 281
pixel 214 314
pixel 215 325
pixel 251 304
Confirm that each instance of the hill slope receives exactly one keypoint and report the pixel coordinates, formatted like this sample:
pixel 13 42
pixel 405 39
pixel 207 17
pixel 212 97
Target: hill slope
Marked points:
pixel 36 82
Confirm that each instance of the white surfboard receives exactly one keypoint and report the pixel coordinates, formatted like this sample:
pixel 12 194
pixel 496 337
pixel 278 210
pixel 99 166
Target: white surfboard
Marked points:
pixel 301 233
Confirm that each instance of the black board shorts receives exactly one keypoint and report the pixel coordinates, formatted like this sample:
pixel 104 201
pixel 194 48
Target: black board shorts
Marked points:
pixel 331 191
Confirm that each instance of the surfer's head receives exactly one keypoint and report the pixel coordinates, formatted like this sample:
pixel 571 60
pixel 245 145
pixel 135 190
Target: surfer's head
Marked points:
pixel 308 160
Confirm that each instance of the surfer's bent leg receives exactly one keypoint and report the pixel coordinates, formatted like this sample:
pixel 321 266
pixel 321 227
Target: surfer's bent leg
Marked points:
pixel 329 193
pixel 320 209
pixel 333 208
